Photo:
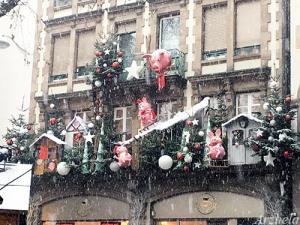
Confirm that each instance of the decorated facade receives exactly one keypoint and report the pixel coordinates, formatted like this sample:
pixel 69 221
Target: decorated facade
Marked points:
pixel 166 121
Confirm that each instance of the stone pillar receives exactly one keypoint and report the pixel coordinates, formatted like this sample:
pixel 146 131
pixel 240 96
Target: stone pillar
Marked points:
pixel 137 208
pixel 230 34
pixel 72 56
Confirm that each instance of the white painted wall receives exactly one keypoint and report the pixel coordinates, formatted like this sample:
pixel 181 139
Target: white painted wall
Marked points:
pixel 295 48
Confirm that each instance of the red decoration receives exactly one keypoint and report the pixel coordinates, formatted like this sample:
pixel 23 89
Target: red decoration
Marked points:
pixel 98 70
pixel 124 158
pixel 286 154
pixel 51 166
pixel 189 122
pixel 288 99
pixel 98 53
pixel 77 137
pixel 120 54
pixel 53 121
pixel 255 147
pixel 109 75
pixel 216 150
pixel 186 169
pixel 43 154
pixel 146 113
pixel 115 65
pixel 197 146
pixel 180 156
pixel 9 142
pixel 28 127
pixel 287 118
pixel 159 61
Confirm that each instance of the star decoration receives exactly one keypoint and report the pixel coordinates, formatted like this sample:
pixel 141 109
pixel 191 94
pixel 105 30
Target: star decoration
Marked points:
pixel 195 122
pixel 269 159
pixel 133 71
pixel 89 137
pixel 186 135
pixel 197 165
pixel 259 133
pixel 107 51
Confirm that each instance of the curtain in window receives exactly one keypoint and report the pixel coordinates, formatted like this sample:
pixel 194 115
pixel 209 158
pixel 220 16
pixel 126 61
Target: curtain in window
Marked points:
pixel 127 45
pixel 248 23
pixel 86 49
pixel 169 32
pixel 61 55
pixel 215 26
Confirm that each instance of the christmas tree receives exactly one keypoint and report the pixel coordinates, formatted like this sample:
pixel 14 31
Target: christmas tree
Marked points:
pixel 18 138
pixel 218 115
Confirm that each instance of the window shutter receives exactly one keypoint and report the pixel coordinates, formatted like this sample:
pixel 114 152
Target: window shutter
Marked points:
pixel 61 54
pixel 215 26
pixel 248 24
pixel 86 49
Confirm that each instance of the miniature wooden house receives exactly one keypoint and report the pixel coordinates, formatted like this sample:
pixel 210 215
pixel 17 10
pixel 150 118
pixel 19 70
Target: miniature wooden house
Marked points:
pixel 48 151
pixel 238 129
pixel 75 127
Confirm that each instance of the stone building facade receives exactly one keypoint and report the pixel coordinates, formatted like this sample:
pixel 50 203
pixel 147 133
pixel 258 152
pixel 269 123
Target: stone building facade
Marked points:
pixel 228 45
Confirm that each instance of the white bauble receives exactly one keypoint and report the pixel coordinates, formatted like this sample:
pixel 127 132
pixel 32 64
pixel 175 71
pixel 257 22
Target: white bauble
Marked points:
pixel 14 139
pixel 270 139
pixel 282 136
pixel 266 106
pixel 114 166
pixel 63 168
pixel 52 106
pixel 188 158
pixel 104 65
pixel 90 125
pixel 115 43
pixel 98 83
pixel 120 60
pixel 165 162
pixel 98 118
pixel 272 122
pixel 185 149
pixel 201 133
pixel 279 109
pixel 22 148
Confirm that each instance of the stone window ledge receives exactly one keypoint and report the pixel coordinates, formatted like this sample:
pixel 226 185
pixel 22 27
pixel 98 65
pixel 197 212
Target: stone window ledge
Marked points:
pixel 59 8
pixel 213 62
pixel 58 83
pixel 246 57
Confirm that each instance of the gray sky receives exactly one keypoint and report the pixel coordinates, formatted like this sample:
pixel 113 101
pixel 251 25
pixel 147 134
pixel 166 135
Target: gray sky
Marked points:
pixel 14 71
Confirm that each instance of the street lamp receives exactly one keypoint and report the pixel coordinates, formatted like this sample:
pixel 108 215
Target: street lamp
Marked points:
pixel 4 44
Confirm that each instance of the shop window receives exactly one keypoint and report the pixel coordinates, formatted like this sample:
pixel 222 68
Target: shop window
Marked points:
pixel 248 34
pixel 60 57
pixel 127 38
pixel 214 32
pixel 169 32
pixel 85 51
pixel 62 3
pixel 249 103
pixel 123 121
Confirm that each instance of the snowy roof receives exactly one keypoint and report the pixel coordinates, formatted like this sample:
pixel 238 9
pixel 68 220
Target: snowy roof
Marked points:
pixel 51 137
pixel 250 117
pixel 77 123
pixel 15 195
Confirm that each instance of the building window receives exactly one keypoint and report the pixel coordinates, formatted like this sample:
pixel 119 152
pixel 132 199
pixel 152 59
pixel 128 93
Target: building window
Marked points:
pixel 123 121
pixel 62 3
pixel 249 103
pixel 165 111
pixel 85 51
pixel 214 32
pixel 248 34
pixel 169 32
pixel 60 58
pixel 125 2
pixel 127 38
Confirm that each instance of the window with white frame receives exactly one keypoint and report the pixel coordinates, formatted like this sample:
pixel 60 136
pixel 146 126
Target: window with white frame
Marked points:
pixel 125 2
pixel 123 121
pixel 165 111
pixel 249 103
pixel 62 3
pixel 169 32
pixel 127 37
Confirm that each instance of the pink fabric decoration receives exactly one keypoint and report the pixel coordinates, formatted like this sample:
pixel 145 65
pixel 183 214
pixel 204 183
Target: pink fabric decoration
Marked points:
pixel 216 150
pixel 124 158
pixel 146 114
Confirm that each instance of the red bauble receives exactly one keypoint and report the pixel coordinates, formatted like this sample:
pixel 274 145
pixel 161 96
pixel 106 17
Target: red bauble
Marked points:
pixel 255 147
pixel 179 156
pixel 288 99
pixel 9 142
pixel 120 54
pixel 189 122
pixel 98 70
pixel 109 75
pixel 115 65
pixel 287 118
pixel 197 146
pixel 77 137
pixel 186 169
pixel 53 121
pixel 28 127
pixel 98 53
pixel 286 154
